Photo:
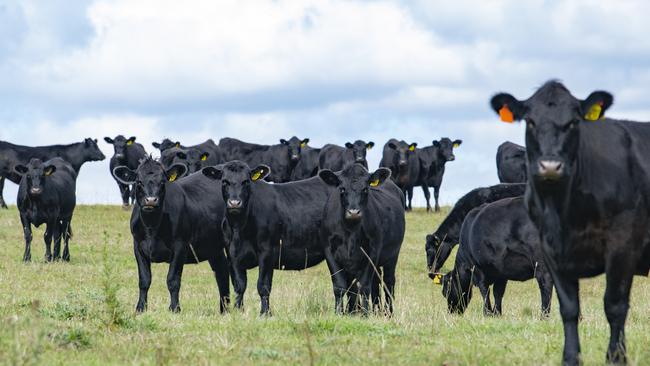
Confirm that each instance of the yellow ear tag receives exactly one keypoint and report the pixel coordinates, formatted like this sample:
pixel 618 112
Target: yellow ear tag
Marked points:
pixel 178 145
pixel 594 112
pixel 204 157
pixel 130 142
pixel 48 172
pixel 368 147
pixel 256 176
pixel 437 279
pixel 456 146
pixel 374 183
pixel 173 176
pixel 411 148
pixel 303 144
pixel 506 114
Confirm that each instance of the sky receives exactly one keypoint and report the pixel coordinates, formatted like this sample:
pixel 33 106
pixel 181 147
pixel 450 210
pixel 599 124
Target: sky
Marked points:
pixel 330 70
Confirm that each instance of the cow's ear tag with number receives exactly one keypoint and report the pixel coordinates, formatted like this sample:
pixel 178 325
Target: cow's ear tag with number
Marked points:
pixel 173 176
pixel 437 279
pixel 204 157
pixel 374 183
pixel 594 112
pixel 506 114
pixel 256 176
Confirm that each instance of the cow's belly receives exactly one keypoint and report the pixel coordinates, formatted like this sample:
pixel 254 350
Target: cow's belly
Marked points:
pixel 294 259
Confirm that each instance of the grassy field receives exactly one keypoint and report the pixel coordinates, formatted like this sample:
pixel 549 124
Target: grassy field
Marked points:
pixel 81 313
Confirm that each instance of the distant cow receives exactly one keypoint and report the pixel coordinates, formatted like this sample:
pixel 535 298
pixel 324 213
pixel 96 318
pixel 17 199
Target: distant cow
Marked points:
pixel 364 227
pixel 46 195
pixel 432 168
pixel 76 154
pixel 511 163
pixel 195 157
pixel 440 244
pixel 401 159
pixel 281 158
pixel 307 166
pixel 589 196
pixel 498 243
pixel 334 157
pixel 272 226
pixel 175 221
pixel 166 144
pixel 127 153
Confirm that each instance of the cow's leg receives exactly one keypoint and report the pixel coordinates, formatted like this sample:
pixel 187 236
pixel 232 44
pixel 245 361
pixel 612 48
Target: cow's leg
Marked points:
pixel 545 283
pixel 144 277
pixel 353 295
pixel 174 277
pixel 409 191
pixel 498 290
pixel 27 232
pixel 427 196
pixel 265 281
pixel 124 192
pixel 484 288
pixel 389 289
pixel 67 234
pixel 620 272
pixel 436 194
pixel 47 237
pixel 365 287
pixel 568 290
pixel 239 280
pixel 3 204
pixel 339 282
pixel 375 293
pixel 56 236
pixel 221 271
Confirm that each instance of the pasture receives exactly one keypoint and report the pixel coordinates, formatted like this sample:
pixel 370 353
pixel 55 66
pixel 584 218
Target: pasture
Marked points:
pixel 82 313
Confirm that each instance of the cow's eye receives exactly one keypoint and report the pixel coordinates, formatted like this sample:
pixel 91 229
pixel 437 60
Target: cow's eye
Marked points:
pixel 342 190
pixel 530 123
pixel 365 190
pixel 246 182
pixel 571 125
pixel 225 183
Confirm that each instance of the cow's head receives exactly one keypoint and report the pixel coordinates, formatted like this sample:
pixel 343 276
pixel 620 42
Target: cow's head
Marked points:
pixel 354 183
pixel 359 150
pixel 446 148
pixel 457 289
pixel 294 146
pixel 194 159
pixel 166 144
pixel 91 151
pixel 150 180
pixel 36 175
pixel 402 153
pixel 120 144
pixel 553 117
pixel 236 179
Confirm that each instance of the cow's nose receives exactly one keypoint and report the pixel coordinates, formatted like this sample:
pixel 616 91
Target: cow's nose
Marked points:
pixel 550 169
pixel 234 203
pixel 151 201
pixel 451 158
pixel 360 159
pixel 36 190
pixel 295 157
pixel 353 214
pixel 119 156
pixel 402 163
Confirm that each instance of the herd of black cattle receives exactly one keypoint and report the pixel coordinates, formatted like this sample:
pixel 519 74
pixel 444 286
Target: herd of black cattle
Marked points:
pixel 573 203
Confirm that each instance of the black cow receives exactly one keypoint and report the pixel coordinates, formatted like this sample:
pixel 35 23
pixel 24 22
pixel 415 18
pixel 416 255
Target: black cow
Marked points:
pixel 166 144
pixel 401 159
pixel 127 153
pixel 195 157
pixel 364 226
pixel 273 226
pixel 511 163
pixel 498 243
pixel 46 195
pixel 281 158
pixel 440 244
pixel 589 196
pixel 307 167
pixel 335 158
pixel 76 154
pixel 432 168
pixel 175 221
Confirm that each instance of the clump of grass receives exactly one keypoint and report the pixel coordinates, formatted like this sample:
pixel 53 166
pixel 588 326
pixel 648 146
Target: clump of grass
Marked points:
pixel 115 315
pixel 77 338
pixel 70 308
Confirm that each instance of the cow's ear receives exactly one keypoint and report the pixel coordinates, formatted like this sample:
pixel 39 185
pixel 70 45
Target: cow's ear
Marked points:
pixel 212 172
pixel 349 145
pixel 259 173
pixel 176 171
pixel 594 107
pixel 181 155
pixel 413 146
pixel 109 140
pixel 329 177
pixel 20 169
pixel 435 143
pixel 457 143
pixel 378 177
pixel 156 145
pixel 304 142
pixel 124 175
pixel 131 140
pixel 370 145
pixel 177 144
pixel 284 142
pixel 49 170
pixel 205 156
pixel 508 107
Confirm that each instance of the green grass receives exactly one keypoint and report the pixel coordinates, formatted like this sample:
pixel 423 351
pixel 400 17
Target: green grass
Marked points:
pixel 81 313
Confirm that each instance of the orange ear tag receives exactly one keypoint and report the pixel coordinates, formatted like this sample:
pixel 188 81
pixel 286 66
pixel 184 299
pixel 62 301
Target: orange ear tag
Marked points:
pixel 506 114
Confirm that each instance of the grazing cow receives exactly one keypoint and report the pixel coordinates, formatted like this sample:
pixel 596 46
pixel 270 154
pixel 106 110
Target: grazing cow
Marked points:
pixel 175 221
pixel 46 195
pixel 127 153
pixel 335 158
pixel 166 144
pixel 364 226
pixel 432 168
pixel 307 167
pixel 273 226
pixel 76 154
pixel 589 196
pixel 498 242
pixel 281 158
pixel 440 244
pixel 511 163
pixel 401 159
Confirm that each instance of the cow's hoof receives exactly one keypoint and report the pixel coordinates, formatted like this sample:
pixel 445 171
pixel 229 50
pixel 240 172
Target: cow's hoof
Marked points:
pixel 175 309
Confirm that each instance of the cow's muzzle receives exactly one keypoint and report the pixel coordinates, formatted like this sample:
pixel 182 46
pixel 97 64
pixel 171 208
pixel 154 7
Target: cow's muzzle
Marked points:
pixel 550 169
